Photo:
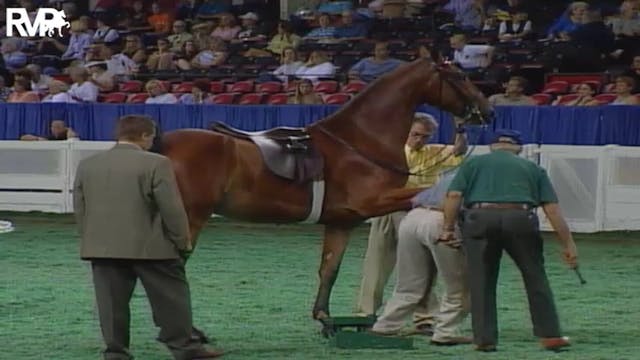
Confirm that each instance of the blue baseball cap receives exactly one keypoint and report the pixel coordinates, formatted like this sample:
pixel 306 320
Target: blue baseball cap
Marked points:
pixel 507 135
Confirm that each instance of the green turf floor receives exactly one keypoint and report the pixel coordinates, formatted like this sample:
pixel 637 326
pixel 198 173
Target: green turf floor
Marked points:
pixel 253 287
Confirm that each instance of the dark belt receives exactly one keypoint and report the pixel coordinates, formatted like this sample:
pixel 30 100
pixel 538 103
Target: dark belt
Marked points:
pixel 513 206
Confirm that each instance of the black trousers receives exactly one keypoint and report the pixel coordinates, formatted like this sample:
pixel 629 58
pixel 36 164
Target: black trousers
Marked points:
pixel 167 289
pixel 486 233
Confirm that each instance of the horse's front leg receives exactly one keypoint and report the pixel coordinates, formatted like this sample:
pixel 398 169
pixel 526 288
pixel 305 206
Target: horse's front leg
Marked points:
pixel 392 201
pixel 334 245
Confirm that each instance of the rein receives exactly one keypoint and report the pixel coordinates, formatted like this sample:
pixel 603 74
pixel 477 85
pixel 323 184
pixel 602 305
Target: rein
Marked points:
pixel 469 113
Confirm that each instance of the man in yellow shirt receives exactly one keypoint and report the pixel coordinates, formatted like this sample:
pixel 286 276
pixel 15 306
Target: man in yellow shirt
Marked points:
pixel 426 161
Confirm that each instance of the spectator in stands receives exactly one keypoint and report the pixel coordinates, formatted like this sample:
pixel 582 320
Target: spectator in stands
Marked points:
pixel 318 66
pixel 624 87
pixel 351 30
pixel 284 38
pixel 100 76
pixel 627 23
pixel 585 92
pixel 250 31
pixel 158 94
pixel 179 36
pixel 138 16
pixel 324 31
pixel 82 89
pixel 212 8
pixel 568 22
pixel 305 94
pixel 159 20
pixel 289 65
pixel 213 56
pixel 58 93
pixel 472 16
pixel 22 92
pixel 119 64
pixel 369 69
pixel 162 58
pixel 514 94
pixel 39 82
pixel 58 130
pixel 14 59
pixel 186 55
pixel 593 43
pixel 79 42
pixel 186 9
pixel 4 90
pixel 94 52
pixel 199 93
pixel 105 32
pixel 516 29
pixel 227 28
pixel 134 49
pixel 634 73
pixel 202 34
pixel 626 28
pixel 470 57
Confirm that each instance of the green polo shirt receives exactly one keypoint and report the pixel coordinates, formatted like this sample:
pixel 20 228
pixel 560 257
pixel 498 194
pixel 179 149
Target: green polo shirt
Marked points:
pixel 503 177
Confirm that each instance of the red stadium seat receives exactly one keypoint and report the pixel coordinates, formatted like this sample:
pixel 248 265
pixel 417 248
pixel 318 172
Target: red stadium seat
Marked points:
pixel 564 99
pixel 114 98
pixel 250 99
pixel 182 88
pixel 138 98
pixel 326 86
pixel 291 86
pixel 604 99
pixel 271 87
pixel 241 87
pixel 224 98
pixel 354 87
pixel 542 99
pixel 278 99
pixel 216 87
pixel 336 99
pixel 132 86
pixel 556 87
pixel 166 84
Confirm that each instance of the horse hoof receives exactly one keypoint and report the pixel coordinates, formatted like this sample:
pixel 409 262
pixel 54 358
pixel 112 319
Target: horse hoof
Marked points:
pixel 328 328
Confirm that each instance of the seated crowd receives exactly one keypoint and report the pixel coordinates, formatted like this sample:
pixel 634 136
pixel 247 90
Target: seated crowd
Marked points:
pixel 215 52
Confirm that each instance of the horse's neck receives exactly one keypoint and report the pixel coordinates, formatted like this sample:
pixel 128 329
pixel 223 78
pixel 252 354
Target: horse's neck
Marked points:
pixel 381 116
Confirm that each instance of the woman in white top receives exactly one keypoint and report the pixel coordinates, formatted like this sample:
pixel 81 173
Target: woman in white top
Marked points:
pixel 289 66
pixel 215 55
pixel 58 93
pixel 82 90
pixel 624 87
pixel 318 66
pixel 158 94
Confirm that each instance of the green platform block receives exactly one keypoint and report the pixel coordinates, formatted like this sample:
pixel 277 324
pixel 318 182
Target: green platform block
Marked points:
pixel 353 321
pixel 365 340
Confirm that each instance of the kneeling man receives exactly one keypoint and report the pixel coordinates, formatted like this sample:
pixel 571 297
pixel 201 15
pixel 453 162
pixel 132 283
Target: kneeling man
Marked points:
pixel 419 258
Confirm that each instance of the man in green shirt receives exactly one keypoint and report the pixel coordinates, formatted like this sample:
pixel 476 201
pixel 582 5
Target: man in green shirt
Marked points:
pixel 500 191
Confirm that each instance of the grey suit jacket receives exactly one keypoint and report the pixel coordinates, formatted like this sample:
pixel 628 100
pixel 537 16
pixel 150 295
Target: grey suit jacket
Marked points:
pixel 127 206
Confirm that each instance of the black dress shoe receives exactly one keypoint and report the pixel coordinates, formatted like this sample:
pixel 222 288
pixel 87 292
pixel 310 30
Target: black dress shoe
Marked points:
pixel 425 329
pixel 486 348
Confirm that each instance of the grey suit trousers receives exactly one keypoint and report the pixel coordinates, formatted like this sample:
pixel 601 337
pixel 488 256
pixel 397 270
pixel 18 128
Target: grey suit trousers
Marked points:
pixel 167 289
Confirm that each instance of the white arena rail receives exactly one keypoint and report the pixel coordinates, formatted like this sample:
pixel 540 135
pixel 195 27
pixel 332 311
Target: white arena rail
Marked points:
pixel 598 186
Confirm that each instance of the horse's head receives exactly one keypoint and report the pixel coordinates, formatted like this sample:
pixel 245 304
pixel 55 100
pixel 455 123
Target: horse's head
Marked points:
pixel 453 91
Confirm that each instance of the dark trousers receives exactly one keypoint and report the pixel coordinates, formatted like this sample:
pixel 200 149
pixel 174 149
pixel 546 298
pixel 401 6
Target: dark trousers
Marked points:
pixel 486 232
pixel 167 289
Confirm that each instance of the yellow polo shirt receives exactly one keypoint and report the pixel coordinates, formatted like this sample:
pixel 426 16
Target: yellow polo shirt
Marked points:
pixel 428 162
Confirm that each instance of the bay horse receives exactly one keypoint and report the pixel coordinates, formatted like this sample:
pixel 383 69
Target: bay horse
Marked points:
pixel 362 150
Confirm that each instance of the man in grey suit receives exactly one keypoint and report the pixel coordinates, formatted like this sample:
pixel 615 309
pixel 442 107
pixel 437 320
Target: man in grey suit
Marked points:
pixel 133 226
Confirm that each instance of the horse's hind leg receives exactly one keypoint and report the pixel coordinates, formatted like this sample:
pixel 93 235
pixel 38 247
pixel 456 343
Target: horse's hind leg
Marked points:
pixel 334 245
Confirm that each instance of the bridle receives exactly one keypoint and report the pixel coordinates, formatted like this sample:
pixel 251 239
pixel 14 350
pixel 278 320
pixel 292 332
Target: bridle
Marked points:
pixel 470 111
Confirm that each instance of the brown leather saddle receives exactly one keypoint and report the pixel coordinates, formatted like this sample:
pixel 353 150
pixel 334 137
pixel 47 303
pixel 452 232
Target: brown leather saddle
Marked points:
pixel 287 151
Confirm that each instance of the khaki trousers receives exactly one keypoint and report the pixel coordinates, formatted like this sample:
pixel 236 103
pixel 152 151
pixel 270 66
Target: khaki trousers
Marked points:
pixel 418 254
pixel 379 262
